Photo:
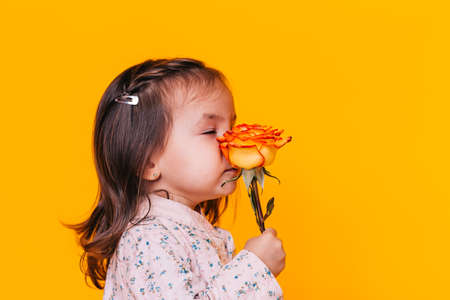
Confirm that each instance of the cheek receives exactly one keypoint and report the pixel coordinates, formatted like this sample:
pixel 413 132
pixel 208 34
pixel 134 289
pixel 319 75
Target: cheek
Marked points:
pixel 205 158
pixel 212 148
pixel 207 152
pixel 176 156
pixel 199 155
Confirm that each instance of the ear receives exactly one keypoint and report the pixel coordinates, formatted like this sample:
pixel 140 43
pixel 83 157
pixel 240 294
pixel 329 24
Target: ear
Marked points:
pixel 151 172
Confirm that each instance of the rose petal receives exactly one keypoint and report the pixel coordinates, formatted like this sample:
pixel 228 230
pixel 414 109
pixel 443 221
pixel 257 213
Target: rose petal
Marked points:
pixel 247 158
pixel 269 154
pixel 225 151
pixel 221 139
pixel 238 143
pixel 282 141
pixel 251 145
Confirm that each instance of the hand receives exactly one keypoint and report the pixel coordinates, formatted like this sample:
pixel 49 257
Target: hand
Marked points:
pixel 269 249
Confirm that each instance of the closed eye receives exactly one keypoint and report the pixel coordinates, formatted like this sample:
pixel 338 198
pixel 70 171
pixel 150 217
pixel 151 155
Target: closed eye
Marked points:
pixel 209 132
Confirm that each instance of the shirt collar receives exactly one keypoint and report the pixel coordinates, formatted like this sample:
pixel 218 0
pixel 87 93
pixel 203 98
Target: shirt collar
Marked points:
pixel 177 211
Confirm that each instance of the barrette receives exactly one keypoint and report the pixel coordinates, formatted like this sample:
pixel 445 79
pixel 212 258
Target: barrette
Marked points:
pixel 127 99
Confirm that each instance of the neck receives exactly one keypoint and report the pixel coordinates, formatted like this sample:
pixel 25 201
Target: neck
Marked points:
pixel 177 198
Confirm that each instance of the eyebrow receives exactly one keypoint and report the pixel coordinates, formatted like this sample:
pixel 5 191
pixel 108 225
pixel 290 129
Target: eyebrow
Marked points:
pixel 213 116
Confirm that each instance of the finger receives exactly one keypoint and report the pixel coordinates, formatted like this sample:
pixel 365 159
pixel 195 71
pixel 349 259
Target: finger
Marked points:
pixel 271 231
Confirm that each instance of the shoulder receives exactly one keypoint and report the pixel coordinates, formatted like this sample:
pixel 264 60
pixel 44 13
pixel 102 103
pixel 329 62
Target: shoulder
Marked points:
pixel 150 262
pixel 152 237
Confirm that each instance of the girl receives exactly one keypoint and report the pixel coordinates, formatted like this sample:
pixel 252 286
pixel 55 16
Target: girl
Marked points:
pixel 152 233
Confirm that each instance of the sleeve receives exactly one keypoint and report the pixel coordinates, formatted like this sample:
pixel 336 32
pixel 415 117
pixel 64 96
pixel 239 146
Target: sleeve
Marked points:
pixel 155 269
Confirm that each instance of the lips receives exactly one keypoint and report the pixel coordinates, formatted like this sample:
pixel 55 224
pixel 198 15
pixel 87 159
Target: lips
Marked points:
pixel 231 169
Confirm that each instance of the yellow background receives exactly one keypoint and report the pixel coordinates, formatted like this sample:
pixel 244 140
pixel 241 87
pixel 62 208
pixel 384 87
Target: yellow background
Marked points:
pixel 362 86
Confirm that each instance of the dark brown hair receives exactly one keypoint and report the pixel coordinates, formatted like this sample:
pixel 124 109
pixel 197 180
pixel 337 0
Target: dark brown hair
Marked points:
pixel 124 138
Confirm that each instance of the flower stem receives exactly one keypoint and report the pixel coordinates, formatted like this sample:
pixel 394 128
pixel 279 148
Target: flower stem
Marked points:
pixel 255 196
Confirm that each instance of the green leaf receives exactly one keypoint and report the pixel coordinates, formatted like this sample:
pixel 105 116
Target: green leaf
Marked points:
pixel 268 174
pixel 248 175
pixel 270 206
pixel 260 177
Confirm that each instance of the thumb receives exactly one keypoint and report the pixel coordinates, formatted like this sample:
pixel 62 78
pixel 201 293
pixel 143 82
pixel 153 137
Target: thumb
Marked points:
pixel 270 230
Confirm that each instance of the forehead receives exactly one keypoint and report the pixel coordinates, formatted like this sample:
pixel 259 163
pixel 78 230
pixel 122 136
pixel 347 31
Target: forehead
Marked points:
pixel 204 103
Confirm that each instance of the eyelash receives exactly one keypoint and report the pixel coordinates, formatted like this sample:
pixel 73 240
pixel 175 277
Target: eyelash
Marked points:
pixel 214 131
pixel 209 132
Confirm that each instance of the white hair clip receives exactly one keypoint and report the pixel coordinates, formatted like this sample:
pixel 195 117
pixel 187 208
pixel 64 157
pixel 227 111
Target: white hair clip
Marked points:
pixel 128 99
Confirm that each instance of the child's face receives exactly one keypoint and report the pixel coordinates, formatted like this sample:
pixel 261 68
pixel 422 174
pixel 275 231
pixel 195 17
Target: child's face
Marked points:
pixel 192 166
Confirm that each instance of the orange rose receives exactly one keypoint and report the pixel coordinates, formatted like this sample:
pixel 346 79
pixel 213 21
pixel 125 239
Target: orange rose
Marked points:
pixel 251 146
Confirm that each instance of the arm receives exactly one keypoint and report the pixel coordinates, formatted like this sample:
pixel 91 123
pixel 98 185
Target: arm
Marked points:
pixel 155 270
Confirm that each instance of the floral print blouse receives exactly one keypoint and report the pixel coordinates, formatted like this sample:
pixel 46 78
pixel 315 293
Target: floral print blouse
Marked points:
pixel 175 253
